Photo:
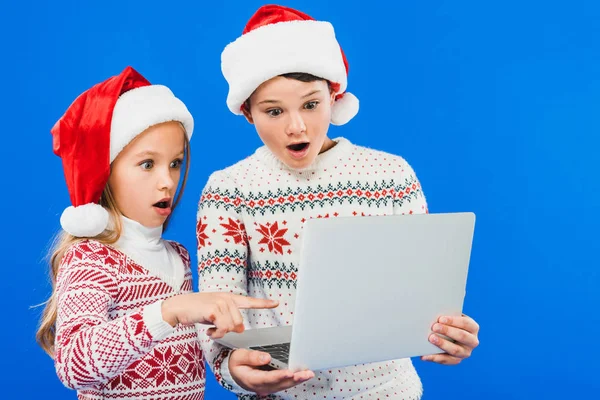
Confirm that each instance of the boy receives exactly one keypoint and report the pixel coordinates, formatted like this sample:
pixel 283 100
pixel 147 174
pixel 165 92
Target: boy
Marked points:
pixel 287 75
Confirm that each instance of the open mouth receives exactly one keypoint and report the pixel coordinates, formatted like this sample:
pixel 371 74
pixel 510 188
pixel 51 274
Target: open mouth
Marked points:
pixel 163 204
pixel 298 146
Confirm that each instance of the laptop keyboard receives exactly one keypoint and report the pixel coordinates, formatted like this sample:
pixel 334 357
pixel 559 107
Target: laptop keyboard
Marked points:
pixel 279 351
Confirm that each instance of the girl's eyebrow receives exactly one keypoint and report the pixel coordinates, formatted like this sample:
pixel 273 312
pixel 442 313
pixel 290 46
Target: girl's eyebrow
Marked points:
pixel 146 153
pixel 150 153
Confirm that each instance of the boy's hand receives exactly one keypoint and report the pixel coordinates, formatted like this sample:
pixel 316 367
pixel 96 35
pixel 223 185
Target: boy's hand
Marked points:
pixel 219 309
pixel 463 330
pixel 244 368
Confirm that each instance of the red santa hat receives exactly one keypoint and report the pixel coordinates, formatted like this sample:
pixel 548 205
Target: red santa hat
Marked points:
pixel 95 129
pixel 279 40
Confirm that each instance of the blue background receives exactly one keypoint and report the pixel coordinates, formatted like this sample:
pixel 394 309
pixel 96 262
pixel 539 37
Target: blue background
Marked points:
pixel 496 106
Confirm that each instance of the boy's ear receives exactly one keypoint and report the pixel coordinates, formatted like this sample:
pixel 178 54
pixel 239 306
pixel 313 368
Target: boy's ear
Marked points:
pixel 331 97
pixel 248 115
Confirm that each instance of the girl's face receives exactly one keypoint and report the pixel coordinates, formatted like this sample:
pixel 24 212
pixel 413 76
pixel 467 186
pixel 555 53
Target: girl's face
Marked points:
pixel 292 119
pixel 145 175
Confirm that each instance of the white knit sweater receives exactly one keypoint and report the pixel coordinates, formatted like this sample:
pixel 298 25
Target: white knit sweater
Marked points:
pixel 249 233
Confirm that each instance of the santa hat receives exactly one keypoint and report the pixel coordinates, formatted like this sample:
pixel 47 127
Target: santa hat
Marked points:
pixel 95 129
pixel 279 40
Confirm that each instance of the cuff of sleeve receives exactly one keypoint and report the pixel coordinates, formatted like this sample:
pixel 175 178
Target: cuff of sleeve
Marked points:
pixel 158 328
pixel 228 379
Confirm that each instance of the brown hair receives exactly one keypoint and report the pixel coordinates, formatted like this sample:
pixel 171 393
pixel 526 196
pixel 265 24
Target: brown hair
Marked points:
pixel 45 335
pixel 299 76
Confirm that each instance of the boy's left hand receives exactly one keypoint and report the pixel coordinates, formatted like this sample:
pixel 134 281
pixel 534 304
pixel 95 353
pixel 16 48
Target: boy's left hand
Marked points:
pixel 463 330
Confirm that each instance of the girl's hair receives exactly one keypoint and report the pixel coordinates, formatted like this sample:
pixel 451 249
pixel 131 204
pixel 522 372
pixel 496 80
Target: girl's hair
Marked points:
pixel 299 76
pixel 45 335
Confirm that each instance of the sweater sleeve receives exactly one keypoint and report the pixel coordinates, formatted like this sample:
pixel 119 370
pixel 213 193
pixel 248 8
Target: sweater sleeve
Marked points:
pixel 408 194
pixel 222 261
pixel 90 349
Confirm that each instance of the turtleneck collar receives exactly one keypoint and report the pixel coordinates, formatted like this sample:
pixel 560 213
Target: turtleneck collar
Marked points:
pixel 323 160
pixel 141 235
pixel 147 248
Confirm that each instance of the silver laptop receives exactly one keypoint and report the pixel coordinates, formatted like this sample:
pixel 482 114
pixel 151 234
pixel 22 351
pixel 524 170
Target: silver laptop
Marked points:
pixel 369 289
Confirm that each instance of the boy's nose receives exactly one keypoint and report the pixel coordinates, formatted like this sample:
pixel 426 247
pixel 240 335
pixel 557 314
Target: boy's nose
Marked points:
pixel 296 124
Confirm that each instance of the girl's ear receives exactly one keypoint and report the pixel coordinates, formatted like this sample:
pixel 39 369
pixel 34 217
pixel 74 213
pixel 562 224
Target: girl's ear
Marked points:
pixel 247 115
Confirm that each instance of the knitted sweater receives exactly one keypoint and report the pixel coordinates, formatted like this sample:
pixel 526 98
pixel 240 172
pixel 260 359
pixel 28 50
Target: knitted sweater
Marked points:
pixel 249 235
pixel 111 340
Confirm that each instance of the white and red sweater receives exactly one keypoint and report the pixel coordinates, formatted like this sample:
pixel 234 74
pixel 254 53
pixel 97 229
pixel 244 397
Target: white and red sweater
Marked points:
pixel 111 340
pixel 249 233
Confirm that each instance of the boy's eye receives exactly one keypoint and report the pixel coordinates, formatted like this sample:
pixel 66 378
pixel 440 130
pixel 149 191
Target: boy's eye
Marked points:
pixel 176 163
pixel 274 112
pixel 311 105
pixel 147 164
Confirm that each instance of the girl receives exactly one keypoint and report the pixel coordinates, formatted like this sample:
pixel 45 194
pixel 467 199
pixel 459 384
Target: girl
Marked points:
pixel 120 321
pixel 254 210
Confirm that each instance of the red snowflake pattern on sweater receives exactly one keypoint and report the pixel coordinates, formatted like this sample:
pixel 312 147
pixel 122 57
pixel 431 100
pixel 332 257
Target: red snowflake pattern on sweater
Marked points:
pixel 236 230
pixel 273 237
pixel 201 236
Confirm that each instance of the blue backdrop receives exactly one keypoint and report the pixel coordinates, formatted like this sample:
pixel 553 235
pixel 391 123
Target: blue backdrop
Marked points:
pixel 496 106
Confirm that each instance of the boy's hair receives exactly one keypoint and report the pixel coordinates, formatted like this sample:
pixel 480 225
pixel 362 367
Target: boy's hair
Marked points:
pixel 298 76
pixel 46 333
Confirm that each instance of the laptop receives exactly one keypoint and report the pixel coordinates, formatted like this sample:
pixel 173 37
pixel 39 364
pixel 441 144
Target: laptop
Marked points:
pixel 369 289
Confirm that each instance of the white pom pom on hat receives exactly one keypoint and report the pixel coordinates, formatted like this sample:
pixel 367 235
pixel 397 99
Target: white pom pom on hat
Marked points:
pixel 88 220
pixel 344 109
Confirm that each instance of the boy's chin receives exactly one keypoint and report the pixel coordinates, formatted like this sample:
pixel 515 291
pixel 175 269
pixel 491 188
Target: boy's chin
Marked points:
pixel 300 165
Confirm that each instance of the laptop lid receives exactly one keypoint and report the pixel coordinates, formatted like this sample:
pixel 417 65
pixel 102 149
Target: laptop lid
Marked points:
pixel 370 288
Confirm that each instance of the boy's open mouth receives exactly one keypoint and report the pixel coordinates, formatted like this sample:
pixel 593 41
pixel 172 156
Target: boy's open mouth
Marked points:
pixel 298 146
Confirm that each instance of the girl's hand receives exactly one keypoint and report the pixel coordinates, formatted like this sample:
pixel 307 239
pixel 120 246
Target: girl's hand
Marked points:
pixel 463 330
pixel 219 309
pixel 244 367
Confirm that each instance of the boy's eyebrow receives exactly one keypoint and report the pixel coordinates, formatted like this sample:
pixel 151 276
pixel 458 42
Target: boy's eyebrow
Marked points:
pixel 268 101
pixel 277 101
pixel 311 93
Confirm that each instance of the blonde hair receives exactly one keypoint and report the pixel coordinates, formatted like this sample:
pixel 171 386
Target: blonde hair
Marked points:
pixel 46 333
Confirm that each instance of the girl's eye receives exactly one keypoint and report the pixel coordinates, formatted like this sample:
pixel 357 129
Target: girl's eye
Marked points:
pixel 311 105
pixel 147 164
pixel 274 112
pixel 176 163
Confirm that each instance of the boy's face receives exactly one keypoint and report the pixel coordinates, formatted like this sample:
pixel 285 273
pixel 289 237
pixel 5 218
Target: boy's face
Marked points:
pixel 145 175
pixel 292 119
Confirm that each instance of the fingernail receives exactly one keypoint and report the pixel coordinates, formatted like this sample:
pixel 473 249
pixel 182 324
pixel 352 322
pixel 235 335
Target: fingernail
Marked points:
pixel 444 320
pixel 433 339
pixel 263 358
pixel 437 328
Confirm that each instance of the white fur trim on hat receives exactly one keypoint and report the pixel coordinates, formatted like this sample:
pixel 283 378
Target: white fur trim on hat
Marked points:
pixel 275 49
pixel 344 109
pixel 139 109
pixel 88 220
